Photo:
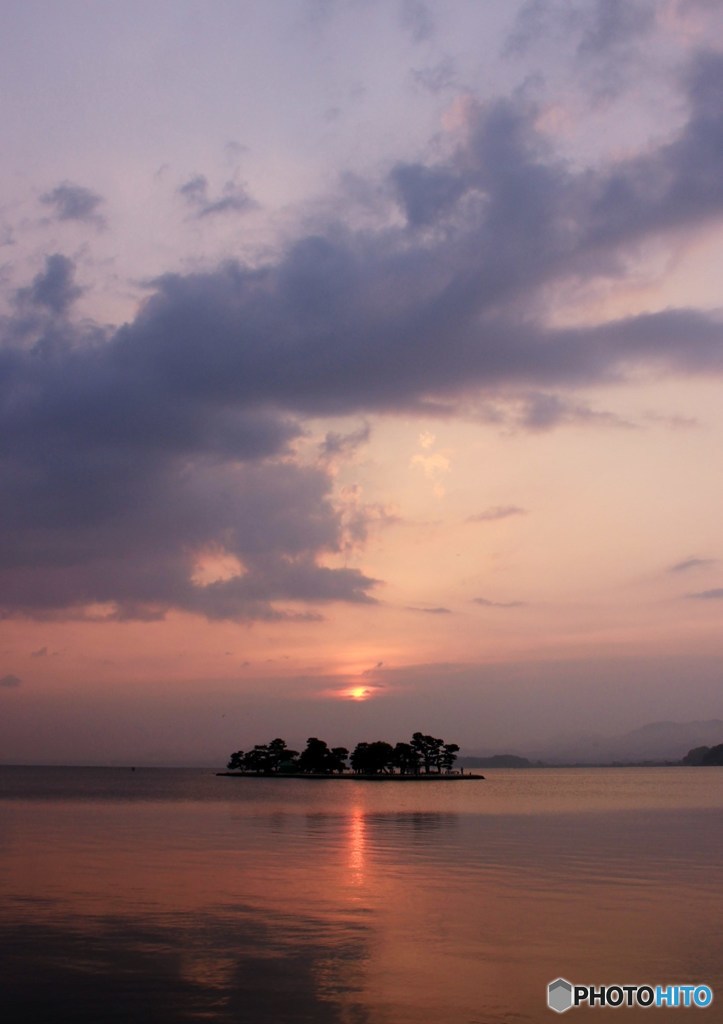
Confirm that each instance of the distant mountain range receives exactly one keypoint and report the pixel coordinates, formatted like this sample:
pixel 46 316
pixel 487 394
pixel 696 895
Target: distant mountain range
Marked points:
pixel 657 741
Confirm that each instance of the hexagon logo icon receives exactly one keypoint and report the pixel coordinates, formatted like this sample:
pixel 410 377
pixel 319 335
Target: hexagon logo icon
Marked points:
pixel 559 995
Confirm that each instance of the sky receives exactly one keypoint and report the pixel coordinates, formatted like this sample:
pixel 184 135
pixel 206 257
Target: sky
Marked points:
pixel 360 373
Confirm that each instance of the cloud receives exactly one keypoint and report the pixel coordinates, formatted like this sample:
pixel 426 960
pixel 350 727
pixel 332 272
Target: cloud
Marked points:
pixel 603 35
pixel 611 24
pixel 431 611
pixel 433 465
pixel 195 190
pixel 540 411
pixel 424 193
pixel 40 653
pixel 10 681
pixel 74 202
pixel 674 422
pixel 417 18
pixel 128 538
pixel 53 290
pixel 233 199
pixel 337 446
pixel 128 456
pixel 692 563
pixel 486 603
pixel 496 512
pixel 351 322
pixel 438 77
pixel 708 595
pixel 358 518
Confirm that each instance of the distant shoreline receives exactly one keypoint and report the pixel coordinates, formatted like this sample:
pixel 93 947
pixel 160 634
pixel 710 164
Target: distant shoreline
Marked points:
pixel 352 777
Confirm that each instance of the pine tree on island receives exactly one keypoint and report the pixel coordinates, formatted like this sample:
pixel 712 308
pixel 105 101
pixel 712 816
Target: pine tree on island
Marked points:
pixel 423 755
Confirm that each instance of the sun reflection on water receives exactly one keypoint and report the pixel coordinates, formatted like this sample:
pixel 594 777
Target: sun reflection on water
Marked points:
pixel 357 840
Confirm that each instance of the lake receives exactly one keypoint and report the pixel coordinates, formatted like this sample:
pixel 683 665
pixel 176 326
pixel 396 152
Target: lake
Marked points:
pixel 171 895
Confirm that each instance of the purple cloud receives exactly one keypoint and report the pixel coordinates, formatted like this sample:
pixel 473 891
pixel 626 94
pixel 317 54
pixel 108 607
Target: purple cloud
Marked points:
pixel 692 563
pixel 74 202
pixel 490 515
pixel 128 454
pixel 234 198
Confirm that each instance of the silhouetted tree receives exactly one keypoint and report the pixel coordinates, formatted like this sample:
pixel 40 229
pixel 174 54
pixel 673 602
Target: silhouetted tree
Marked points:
pixel 448 756
pixel 317 759
pixel 372 758
pixel 281 756
pixel 428 748
pixel 337 758
pixel 378 757
pixel 358 759
pixel 236 761
pixel 264 758
pixel 406 759
pixel 313 758
pixel 258 760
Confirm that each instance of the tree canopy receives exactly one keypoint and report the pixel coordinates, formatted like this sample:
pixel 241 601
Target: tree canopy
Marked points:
pixel 423 754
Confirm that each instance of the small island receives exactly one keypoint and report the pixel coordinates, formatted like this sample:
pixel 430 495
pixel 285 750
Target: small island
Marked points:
pixel 424 759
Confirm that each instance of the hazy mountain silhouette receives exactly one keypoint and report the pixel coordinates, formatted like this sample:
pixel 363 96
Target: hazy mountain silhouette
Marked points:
pixel 656 741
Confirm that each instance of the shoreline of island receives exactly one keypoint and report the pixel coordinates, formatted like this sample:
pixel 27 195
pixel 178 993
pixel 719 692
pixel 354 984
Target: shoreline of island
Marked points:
pixel 353 777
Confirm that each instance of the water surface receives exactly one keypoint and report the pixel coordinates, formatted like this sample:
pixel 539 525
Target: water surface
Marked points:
pixel 176 896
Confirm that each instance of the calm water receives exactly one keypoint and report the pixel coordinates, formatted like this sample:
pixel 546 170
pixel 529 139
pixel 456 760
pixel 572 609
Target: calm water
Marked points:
pixel 175 896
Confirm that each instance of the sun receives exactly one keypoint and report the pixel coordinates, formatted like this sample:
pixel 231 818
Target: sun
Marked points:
pixel 359 693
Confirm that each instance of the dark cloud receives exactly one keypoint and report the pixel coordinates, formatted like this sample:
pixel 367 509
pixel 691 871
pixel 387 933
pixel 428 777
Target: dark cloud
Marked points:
pixel 233 199
pixel 127 458
pixel 490 515
pixel 53 290
pixel 40 653
pixel 431 611
pixel 129 538
pixel 692 563
pixel 486 603
pixel 74 202
pixel 708 595
pixel 336 445
pixel 10 681
pixel 195 190
pixel 424 193
pixel 540 411
pixel 120 485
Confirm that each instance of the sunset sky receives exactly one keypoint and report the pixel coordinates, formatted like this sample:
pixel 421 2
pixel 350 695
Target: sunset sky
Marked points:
pixel 360 373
